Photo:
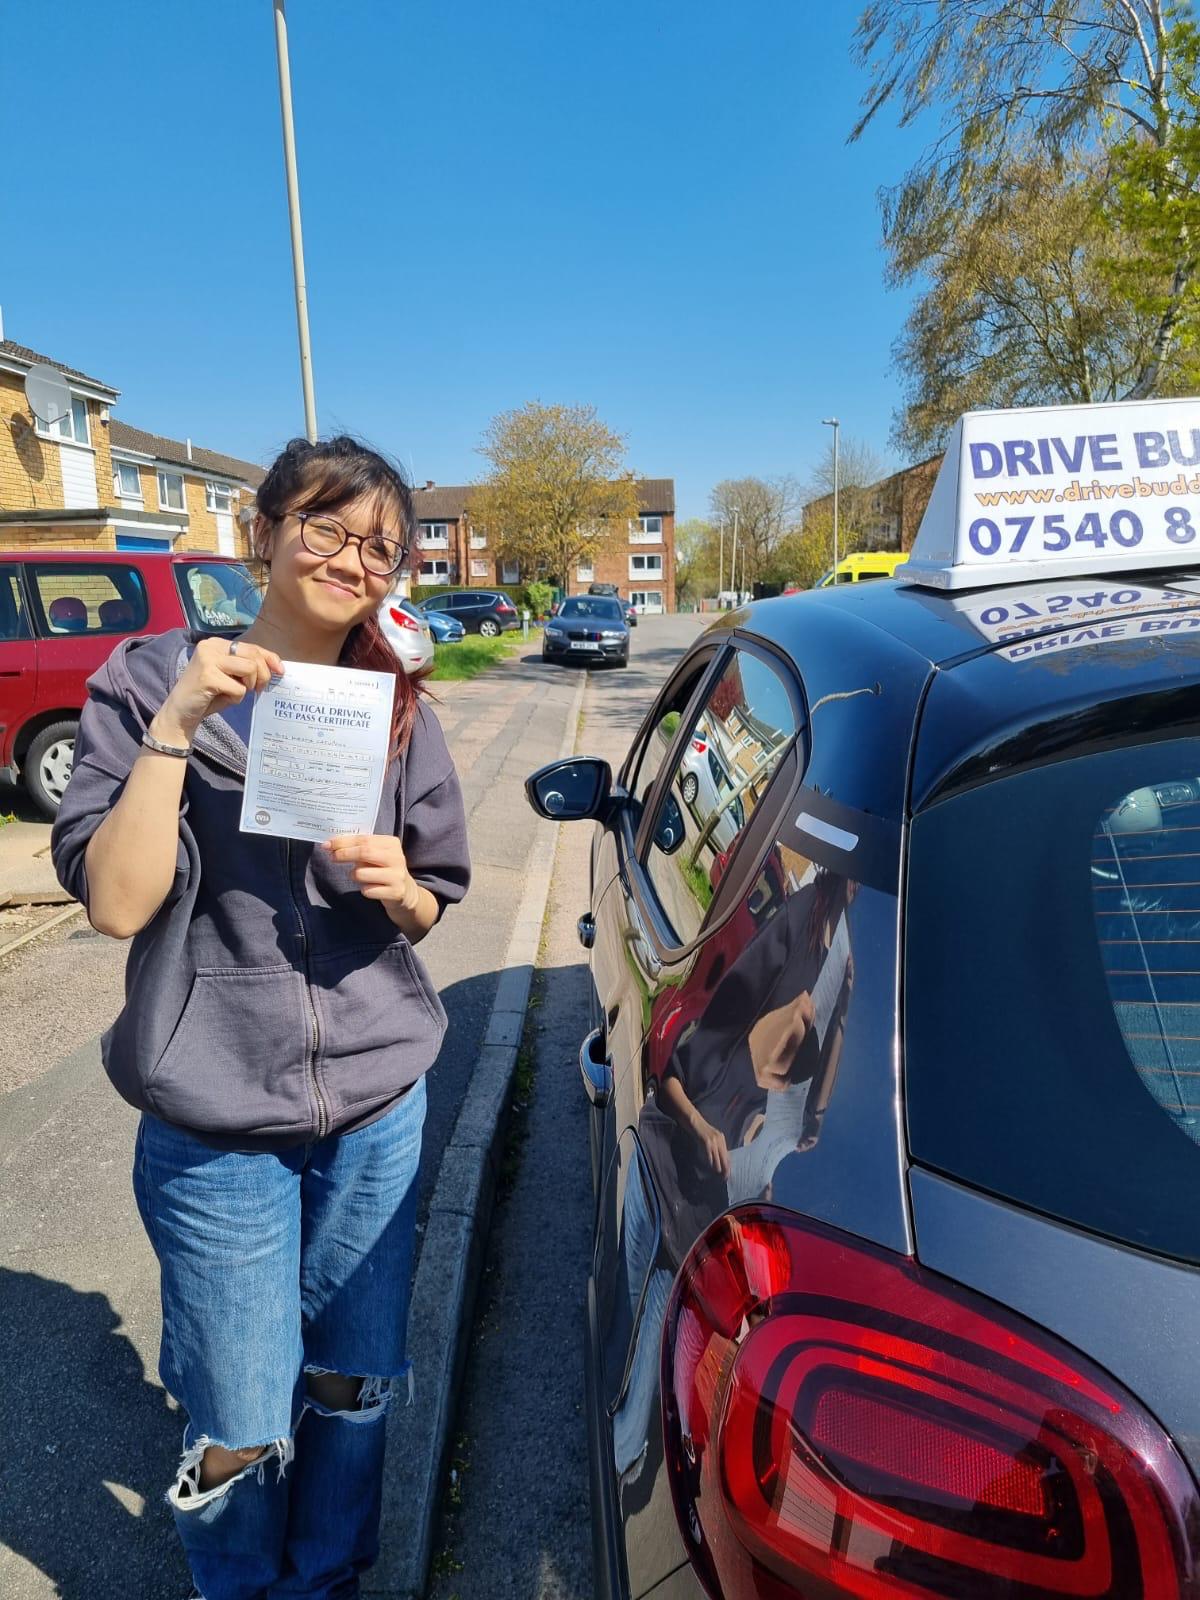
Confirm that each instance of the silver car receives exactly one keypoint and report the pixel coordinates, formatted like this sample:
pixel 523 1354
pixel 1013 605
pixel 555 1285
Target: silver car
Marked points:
pixel 407 631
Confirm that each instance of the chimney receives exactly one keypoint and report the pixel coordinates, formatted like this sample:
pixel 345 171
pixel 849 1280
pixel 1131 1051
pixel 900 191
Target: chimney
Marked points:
pixel 189 449
pixel 1 324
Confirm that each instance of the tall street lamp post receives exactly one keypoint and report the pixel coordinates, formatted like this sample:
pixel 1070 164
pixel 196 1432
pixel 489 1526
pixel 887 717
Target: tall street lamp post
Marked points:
pixel 832 422
pixel 293 194
pixel 721 569
pixel 737 510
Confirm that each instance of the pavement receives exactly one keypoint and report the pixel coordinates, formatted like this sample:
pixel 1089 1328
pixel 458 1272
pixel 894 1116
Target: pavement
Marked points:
pixel 84 1423
pixel 26 873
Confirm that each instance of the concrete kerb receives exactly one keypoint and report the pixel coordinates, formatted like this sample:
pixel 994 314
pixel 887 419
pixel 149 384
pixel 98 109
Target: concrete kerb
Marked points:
pixel 454 1249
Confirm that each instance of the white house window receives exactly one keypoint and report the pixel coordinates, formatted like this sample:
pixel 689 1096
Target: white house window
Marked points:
pixel 435 535
pixel 645 566
pixel 73 426
pixel 478 540
pixel 126 481
pixel 170 491
pixel 218 497
pixel 510 572
pixel 646 530
pixel 479 569
pixel 585 571
pixel 435 572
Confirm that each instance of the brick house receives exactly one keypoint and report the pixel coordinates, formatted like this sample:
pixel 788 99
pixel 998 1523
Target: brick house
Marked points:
pixel 886 514
pixel 91 482
pixel 451 551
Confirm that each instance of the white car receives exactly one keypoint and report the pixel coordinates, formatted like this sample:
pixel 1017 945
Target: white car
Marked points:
pixel 408 633
pixel 706 785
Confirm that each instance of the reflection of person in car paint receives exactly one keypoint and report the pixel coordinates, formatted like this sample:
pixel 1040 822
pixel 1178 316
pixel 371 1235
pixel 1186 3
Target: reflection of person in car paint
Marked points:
pixel 768 1042
pixel 761 1032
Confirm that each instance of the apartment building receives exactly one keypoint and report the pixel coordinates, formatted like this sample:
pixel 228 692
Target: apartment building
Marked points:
pixel 452 551
pixel 92 482
pixel 887 514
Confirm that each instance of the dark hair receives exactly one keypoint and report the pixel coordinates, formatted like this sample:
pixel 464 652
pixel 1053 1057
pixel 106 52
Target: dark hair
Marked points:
pixel 325 477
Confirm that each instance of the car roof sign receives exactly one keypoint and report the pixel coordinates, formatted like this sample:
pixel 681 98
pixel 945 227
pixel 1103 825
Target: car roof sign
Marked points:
pixel 1056 491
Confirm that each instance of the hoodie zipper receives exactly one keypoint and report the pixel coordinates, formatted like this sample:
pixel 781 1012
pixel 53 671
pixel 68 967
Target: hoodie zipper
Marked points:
pixel 310 1060
pixel 216 750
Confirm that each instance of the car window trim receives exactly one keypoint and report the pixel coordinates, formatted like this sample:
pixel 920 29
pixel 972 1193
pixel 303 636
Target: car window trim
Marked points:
pixel 13 559
pixel 753 841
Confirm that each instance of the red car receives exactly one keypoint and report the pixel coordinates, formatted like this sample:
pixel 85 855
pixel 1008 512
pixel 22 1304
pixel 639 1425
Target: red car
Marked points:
pixel 62 613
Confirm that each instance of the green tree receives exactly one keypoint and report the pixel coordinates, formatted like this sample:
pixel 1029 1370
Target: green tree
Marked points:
pixel 759 511
pixel 558 492
pixel 696 559
pixel 1068 137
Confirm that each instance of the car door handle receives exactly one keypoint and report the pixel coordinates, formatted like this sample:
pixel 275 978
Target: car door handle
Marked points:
pixel 596 1069
pixel 14 672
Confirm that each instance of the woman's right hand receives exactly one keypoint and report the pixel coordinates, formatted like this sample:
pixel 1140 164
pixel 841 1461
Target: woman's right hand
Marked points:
pixel 213 679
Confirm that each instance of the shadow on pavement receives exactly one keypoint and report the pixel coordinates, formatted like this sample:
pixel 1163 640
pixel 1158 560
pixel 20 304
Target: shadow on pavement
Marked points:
pixel 15 798
pixel 88 1446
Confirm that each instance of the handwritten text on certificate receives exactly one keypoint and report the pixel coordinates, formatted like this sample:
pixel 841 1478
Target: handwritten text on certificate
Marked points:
pixel 318 752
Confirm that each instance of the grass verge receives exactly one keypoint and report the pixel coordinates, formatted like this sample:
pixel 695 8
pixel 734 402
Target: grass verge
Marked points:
pixel 474 654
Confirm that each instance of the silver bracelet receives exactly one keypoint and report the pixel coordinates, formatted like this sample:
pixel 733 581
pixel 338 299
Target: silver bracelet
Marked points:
pixel 151 743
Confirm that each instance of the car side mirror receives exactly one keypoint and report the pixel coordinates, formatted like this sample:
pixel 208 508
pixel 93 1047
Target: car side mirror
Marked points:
pixel 669 829
pixel 569 791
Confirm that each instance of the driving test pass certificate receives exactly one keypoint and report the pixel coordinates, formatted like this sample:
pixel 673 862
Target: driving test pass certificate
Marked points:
pixel 318 751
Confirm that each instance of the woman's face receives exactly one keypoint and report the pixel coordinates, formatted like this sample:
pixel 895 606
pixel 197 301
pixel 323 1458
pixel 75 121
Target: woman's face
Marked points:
pixel 337 591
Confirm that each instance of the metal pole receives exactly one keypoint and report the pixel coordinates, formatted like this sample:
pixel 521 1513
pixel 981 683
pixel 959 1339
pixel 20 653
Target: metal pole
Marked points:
pixel 836 438
pixel 721 569
pixel 293 193
pixel 832 422
pixel 733 564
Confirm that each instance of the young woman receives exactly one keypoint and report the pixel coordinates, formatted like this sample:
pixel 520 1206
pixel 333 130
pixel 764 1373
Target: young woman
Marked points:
pixel 275 1036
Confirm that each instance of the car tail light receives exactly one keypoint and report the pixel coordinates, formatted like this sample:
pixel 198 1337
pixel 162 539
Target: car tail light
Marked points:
pixel 403 618
pixel 503 605
pixel 699 746
pixel 840 1421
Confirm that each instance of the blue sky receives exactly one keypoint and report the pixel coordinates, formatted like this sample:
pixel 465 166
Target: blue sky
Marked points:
pixel 645 205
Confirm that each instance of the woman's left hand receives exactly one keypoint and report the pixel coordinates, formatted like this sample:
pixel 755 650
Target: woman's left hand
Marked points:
pixel 380 869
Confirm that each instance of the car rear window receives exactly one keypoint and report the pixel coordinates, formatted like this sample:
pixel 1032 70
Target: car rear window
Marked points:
pixel 217 596
pixel 88 598
pixel 1052 991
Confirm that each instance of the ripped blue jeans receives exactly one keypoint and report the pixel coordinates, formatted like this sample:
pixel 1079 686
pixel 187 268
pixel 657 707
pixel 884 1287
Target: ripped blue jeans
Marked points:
pixel 274 1266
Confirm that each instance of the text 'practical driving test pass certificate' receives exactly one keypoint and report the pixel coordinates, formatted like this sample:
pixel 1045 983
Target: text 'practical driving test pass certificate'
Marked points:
pixel 318 752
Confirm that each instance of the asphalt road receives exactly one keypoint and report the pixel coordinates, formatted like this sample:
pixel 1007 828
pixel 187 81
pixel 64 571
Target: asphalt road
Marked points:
pixel 516 1517
pixel 88 1438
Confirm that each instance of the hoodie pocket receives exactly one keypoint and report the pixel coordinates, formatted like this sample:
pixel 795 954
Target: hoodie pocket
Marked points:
pixel 381 1023
pixel 236 1061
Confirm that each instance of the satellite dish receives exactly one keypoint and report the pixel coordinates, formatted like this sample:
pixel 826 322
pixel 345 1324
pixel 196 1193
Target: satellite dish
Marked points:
pixel 47 392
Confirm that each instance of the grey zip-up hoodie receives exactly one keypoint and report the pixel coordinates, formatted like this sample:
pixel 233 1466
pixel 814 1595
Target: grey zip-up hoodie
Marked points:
pixel 267 1003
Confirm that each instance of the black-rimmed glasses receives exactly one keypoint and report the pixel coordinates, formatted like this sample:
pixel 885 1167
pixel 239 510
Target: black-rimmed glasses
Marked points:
pixel 325 536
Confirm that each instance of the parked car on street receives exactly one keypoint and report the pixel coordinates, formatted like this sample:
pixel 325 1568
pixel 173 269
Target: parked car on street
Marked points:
pixel 862 565
pixel 445 628
pixel 589 629
pixel 603 588
pixel 894 1097
pixel 484 611
pixel 407 630
pixel 707 785
pixel 631 615
pixel 62 613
